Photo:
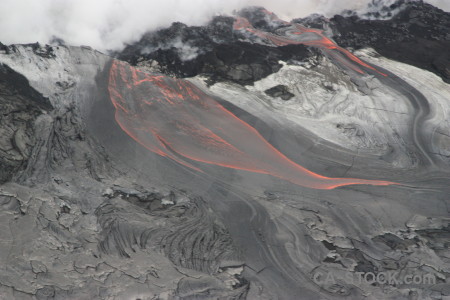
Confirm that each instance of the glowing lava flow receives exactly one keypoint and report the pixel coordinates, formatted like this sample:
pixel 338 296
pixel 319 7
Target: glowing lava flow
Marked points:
pixel 297 34
pixel 175 119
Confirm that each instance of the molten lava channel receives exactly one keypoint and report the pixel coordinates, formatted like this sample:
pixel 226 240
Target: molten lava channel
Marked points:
pixel 175 119
pixel 294 34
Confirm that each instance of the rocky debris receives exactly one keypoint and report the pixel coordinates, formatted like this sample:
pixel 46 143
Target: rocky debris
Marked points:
pixel 261 18
pixel 379 10
pixel 399 253
pixel 65 85
pixel 281 91
pixel 4 48
pixel 417 34
pixel 354 267
pixel 20 107
pixel 394 242
pixel 313 21
pixel 408 31
pixel 437 239
pixel 44 51
pixel 214 51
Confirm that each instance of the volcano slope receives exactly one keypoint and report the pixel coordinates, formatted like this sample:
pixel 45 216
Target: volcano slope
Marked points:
pixel 140 185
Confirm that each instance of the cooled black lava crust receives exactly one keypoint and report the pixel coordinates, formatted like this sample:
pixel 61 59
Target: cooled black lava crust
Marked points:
pixel 418 35
pixel 219 53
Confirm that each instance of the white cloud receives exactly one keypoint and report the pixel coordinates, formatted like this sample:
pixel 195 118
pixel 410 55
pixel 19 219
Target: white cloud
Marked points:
pixel 108 24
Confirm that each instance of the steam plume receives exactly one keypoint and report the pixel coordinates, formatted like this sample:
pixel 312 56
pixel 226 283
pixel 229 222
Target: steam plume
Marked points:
pixel 108 24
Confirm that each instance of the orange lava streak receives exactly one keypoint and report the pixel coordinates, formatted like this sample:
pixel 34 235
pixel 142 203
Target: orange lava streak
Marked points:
pixel 175 119
pixel 322 42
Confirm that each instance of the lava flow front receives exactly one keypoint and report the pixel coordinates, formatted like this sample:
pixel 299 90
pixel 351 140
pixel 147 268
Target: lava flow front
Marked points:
pixel 175 119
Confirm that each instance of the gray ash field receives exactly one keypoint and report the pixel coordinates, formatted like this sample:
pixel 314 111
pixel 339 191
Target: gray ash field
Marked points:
pixel 250 158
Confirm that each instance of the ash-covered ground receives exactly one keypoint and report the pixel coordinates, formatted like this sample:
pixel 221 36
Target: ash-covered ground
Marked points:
pixel 251 158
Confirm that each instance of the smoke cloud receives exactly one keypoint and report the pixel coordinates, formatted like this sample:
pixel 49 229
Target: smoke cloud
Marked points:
pixel 109 24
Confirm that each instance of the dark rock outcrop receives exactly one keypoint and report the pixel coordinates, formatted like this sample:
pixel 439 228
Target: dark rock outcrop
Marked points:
pixel 20 105
pixel 281 91
pixel 412 32
pixel 417 35
pixel 214 50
